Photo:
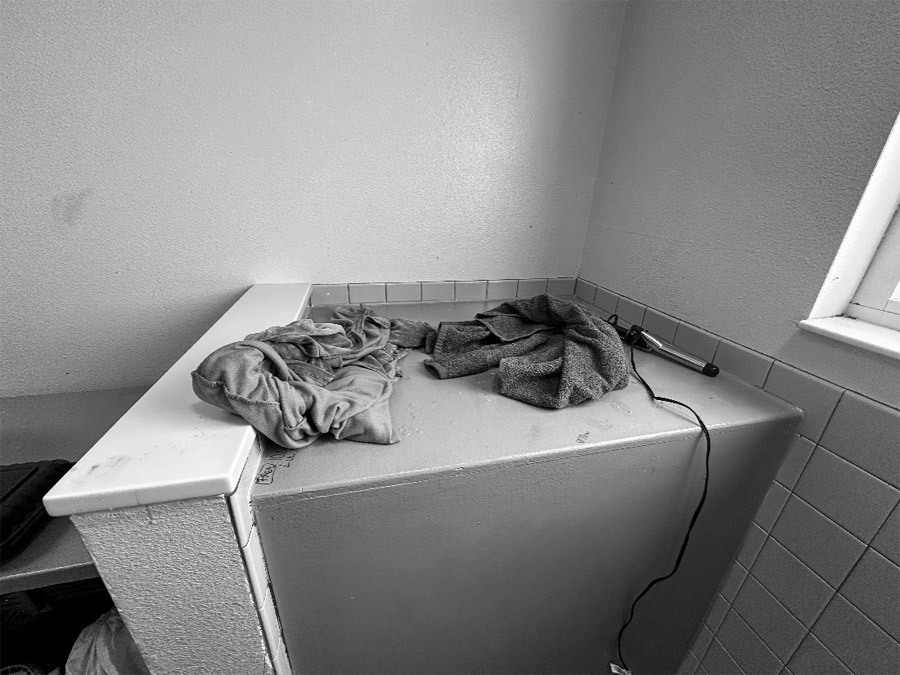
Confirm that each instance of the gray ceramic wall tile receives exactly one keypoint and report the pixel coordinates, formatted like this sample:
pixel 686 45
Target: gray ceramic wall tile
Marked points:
pixel 874 588
pixel 798 588
pixel 606 300
pixel 795 460
pixel 688 665
pixel 660 325
pixel 718 661
pixel 733 580
pixel 528 288
pixel 887 541
pixel 367 293
pixel 848 495
pixel 438 291
pixel 866 433
pixel 748 365
pixel 471 290
pixel 561 286
pixel 585 290
pixel 812 658
pixel 816 397
pixel 502 290
pixel 753 542
pixel 630 312
pixel 777 627
pixel 717 611
pixel 828 549
pixel 701 643
pixel 330 294
pixel 697 342
pixel 861 645
pixel 398 292
pixel 747 648
pixel 771 507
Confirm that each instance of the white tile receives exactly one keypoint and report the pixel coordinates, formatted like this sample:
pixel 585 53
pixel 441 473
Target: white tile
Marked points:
pixel 741 362
pixel 281 660
pixel 270 624
pixel 438 291
pixel 471 290
pixel 585 291
pixel 504 289
pixel 528 288
pixel 630 312
pixel 697 342
pixel 606 300
pixel 866 433
pixel 816 397
pixel 404 292
pixel 562 286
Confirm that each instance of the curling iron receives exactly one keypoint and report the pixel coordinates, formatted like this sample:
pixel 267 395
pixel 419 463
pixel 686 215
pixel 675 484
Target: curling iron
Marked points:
pixel 648 342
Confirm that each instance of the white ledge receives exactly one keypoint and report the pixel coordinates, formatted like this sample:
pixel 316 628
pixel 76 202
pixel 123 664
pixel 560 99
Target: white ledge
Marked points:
pixel 859 333
pixel 170 445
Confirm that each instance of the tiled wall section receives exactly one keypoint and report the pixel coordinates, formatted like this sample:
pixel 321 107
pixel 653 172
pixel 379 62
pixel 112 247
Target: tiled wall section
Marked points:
pixel 815 587
pixel 440 291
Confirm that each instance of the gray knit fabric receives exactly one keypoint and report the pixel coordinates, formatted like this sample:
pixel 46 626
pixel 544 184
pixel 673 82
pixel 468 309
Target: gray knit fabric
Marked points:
pixel 551 353
pixel 296 382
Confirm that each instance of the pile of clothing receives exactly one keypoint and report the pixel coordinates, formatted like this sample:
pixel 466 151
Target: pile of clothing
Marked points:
pixel 294 383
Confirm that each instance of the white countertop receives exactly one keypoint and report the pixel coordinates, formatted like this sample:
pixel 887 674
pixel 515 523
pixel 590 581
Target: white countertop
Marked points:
pixel 465 423
pixel 170 445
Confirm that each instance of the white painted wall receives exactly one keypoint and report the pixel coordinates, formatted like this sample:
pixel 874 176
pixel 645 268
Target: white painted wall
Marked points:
pixel 158 158
pixel 739 140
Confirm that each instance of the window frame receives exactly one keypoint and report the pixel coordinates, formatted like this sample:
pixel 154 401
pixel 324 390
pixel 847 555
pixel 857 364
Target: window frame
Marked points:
pixel 873 215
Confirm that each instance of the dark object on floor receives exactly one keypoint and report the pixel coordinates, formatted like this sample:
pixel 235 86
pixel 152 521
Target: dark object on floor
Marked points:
pixel 41 625
pixel 22 513
pixel 551 353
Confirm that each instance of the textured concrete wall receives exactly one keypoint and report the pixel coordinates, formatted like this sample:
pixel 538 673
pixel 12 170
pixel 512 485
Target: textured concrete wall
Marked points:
pixel 176 574
pixel 160 157
pixel 739 140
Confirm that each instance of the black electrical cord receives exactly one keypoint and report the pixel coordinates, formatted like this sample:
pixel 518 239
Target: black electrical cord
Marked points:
pixel 687 535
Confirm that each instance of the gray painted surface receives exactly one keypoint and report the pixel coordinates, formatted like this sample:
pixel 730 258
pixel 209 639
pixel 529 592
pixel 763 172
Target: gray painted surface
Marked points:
pixel 491 540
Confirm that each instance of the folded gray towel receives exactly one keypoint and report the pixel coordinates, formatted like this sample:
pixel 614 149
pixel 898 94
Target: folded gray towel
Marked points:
pixel 551 352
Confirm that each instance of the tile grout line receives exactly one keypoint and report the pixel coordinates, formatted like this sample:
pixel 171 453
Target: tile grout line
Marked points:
pixel 865 471
pixel 806 631
pixel 833 521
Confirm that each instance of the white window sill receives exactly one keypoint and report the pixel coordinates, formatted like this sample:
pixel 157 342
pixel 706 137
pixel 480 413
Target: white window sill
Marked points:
pixel 858 333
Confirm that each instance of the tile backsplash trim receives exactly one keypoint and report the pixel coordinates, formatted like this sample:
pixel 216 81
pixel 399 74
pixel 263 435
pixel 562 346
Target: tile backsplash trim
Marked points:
pixel 440 291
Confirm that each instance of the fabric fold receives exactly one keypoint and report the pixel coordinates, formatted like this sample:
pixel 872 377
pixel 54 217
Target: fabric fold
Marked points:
pixel 296 382
pixel 551 353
